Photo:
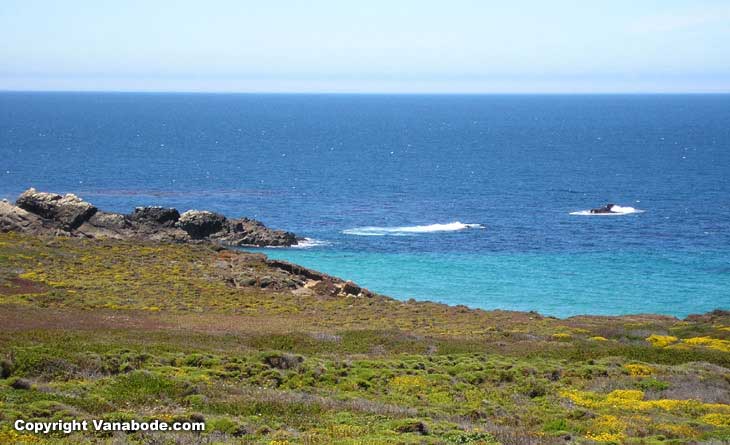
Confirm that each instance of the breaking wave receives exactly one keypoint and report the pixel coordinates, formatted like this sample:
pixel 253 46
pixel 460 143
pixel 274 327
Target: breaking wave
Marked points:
pixel 410 230
pixel 616 210
pixel 308 243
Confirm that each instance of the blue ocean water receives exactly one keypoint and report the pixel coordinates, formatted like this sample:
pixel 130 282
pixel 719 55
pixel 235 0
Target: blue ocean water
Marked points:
pixel 381 181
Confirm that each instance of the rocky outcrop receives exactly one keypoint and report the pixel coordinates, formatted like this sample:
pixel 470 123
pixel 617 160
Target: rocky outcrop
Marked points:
pixel 155 216
pixel 53 214
pixel 69 211
pixel 249 232
pixel 201 224
pixel 245 269
pixel 15 219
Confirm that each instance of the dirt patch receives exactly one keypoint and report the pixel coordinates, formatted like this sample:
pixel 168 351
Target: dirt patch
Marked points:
pixel 23 318
pixel 18 286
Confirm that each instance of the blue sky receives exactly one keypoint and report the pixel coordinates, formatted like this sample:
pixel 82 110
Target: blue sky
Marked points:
pixel 404 46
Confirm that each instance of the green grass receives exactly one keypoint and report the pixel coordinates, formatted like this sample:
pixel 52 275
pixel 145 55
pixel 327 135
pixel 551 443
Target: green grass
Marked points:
pixel 120 331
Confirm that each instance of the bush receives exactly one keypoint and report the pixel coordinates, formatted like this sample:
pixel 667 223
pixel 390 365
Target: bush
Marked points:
pixel 411 426
pixel 283 361
pixel 556 426
pixel 534 388
pixel 227 426
pixel 22 384
pixel 6 368
pixel 461 437
pixel 140 387
pixel 651 384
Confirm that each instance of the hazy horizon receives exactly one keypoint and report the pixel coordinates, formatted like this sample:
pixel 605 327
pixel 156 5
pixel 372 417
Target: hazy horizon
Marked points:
pixel 324 46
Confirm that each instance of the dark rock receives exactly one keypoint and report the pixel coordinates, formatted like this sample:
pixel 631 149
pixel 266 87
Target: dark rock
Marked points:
pixel 105 225
pixel 69 210
pixel 351 288
pixel 112 221
pixel 249 232
pixel 265 281
pixel 53 214
pixel 326 288
pixel 157 216
pixel 605 209
pixel 296 269
pixel 200 224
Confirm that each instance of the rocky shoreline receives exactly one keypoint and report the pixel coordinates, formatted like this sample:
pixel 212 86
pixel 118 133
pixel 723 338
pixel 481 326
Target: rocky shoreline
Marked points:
pixel 42 213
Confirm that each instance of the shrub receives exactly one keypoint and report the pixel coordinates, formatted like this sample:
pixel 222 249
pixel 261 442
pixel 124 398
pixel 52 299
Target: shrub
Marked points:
pixel 556 426
pixel 6 368
pixel 283 361
pixel 141 387
pixel 709 342
pixel 661 341
pixel 534 388
pixel 411 426
pixel 651 384
pixel 226 425
pixel 461 437
pixel 22 384
pixel 716 419
pixel 639 370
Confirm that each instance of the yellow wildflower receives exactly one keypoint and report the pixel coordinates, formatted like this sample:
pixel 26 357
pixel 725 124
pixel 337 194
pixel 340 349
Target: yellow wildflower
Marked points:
pixel 661 341
pixel 709 342
pixel 639 370
pixel 716 419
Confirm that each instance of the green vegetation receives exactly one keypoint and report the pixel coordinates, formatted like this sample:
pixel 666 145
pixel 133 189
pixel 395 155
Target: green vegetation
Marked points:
pixel 116 330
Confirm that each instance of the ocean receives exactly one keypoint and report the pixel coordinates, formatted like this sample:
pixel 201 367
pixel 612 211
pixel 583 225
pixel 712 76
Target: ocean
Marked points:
pixel 464 199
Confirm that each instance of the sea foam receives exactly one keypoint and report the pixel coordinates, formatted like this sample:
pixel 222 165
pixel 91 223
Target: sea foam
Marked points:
pixel 308 243
pixel 616 210
pixel 411 230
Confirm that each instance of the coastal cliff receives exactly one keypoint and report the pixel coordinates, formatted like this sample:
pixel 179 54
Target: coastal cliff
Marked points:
pixel 42 213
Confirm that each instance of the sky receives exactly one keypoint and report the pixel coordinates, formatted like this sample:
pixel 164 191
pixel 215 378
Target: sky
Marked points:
pixel 373 46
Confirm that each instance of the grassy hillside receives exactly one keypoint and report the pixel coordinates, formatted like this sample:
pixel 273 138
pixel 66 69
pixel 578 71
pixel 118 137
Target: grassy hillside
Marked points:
pixel 115 330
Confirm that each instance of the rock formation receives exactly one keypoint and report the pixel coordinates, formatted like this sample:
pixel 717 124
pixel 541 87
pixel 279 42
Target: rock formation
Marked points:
pixel 68 215
pixel 608 208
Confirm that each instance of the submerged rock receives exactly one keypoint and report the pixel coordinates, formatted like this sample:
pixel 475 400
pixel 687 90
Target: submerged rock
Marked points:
pixel 608 208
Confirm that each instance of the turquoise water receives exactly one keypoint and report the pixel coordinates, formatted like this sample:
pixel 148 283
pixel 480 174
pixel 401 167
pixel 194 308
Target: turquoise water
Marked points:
pixel 462 199
pixel 559 284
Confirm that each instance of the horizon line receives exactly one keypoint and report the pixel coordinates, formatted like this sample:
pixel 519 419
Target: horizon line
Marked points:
pixel 382 93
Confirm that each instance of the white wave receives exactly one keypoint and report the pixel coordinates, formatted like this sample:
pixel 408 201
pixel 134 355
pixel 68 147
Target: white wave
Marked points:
pixel 616 210
pixel 308 243
pixel 410 230
pixel 303 243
